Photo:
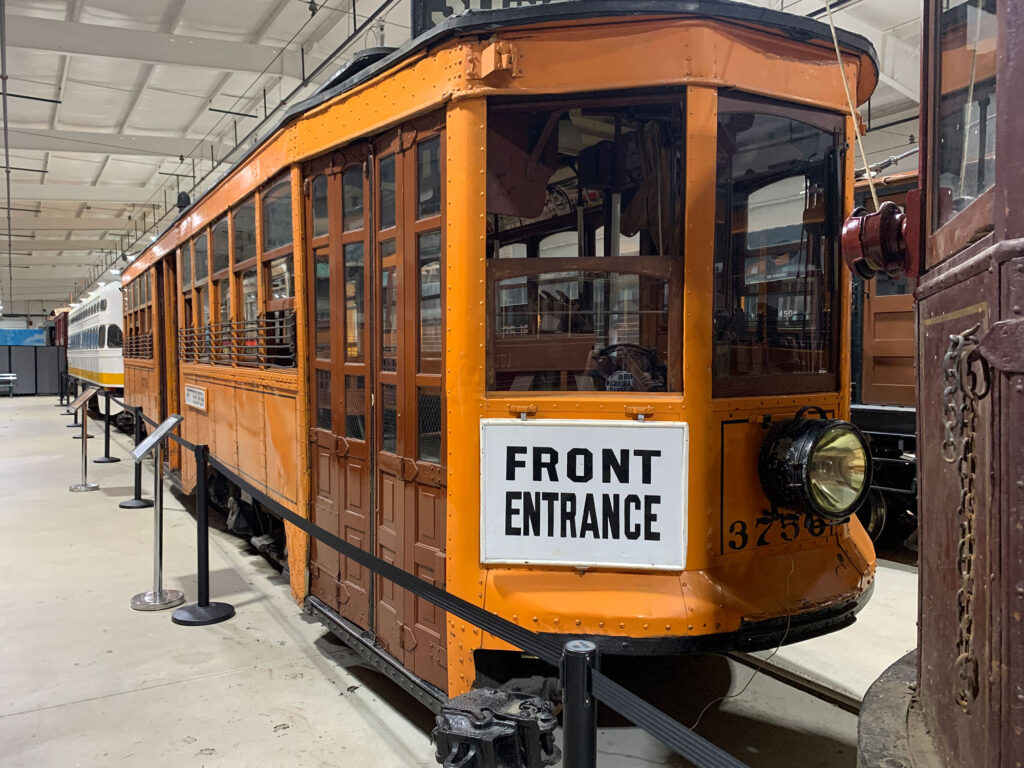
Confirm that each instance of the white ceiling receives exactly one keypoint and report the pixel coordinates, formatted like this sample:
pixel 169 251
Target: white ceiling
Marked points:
pixel 136 82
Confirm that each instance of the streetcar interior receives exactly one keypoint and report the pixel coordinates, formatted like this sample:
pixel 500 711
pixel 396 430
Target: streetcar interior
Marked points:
pixel 571 308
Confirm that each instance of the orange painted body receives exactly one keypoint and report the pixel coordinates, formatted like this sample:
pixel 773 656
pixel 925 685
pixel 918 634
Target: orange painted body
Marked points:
pixel 259 421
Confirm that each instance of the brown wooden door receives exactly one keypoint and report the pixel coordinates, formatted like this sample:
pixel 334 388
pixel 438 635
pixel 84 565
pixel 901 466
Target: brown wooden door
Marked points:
pixel 336 190
pixel 377 413
pixel 888 371
pixel 408 388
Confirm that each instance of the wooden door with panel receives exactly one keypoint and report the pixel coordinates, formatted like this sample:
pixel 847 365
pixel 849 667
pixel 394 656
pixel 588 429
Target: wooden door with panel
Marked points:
pixel 339 444
pixel 409 419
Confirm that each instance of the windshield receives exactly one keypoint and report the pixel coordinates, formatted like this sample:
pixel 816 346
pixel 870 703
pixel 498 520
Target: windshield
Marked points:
pixel 584 244
pixel 777 214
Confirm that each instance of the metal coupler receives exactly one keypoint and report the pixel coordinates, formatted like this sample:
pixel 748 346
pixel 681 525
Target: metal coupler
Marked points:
pixel 487 728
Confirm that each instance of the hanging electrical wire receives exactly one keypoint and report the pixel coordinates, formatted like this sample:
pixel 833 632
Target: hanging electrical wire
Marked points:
pixel 849 100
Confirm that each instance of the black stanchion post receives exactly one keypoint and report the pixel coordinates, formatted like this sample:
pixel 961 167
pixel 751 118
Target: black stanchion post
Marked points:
pixel 74 424
pixel 137 502
pixel 202 612
pixel 60 390
pixel 66 380
pixel 579 716
pixel 106 458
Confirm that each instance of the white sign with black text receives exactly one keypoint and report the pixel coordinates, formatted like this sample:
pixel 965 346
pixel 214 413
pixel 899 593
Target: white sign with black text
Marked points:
pixel 584 493
pixel 195 397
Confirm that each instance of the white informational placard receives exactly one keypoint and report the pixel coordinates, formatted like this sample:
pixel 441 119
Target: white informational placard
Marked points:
pixel 584 493
pixel 195 397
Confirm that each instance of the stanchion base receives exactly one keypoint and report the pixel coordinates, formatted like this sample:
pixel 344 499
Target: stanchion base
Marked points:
pixel 105 460
pixel 61 405
pixel 79 437
pixel 136 504
pixel 158 601
pixel 76 425
pixel 197 615
pixel 81 487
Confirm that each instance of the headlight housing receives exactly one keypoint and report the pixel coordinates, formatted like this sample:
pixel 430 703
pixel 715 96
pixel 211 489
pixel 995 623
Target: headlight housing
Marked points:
pixel 818 466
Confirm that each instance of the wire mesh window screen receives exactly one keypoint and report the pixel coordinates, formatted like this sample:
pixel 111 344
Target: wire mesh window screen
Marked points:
pixel 323 399
pixel 355 407
pixel 428 407
pixel 389 417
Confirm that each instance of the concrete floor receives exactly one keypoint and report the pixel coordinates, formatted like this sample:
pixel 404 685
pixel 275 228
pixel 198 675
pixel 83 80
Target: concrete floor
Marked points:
pixel 86 681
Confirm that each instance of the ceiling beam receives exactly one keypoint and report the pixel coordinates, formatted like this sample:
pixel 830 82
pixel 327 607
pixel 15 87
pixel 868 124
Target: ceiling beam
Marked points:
pixel 67 223
pixel 82 193
pixel 153 47
pixel 66 245
pixel 53 140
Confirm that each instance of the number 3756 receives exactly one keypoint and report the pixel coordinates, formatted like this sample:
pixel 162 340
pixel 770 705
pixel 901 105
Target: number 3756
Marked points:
pixel 769 529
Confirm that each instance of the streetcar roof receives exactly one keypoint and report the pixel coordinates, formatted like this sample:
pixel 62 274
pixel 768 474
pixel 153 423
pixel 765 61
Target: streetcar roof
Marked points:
pixel 365 65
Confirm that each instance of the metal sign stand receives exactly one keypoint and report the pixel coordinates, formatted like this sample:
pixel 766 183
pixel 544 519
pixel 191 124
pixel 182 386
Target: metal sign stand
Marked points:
pixel 80 404
pixel 159 598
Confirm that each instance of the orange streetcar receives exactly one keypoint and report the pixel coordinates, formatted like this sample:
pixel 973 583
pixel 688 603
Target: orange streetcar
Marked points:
pixel 545 308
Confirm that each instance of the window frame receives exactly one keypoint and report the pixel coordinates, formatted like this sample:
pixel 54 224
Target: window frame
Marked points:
pixel 780 384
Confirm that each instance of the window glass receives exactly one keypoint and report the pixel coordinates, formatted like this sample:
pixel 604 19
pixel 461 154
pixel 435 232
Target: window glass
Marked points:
pixel 322 310
pixel 101 337
pixel 966 104
pixel 244 219
pixel 202 264
pixel 186 268
pixel 221 254
pixel 115 339
pixel 277 216
pixel 571 308
pixel 250 312
pixel 250 308
pixel 355 319
pixel 355 407
pixel 224 298
pixel 428 178
pixel 282 281
pixel 775 255
pixel 323 400
pixel 388 307
pixel 320 206
pixel 388 192
pixel 352 198
pixel 103 302
pixel 430 296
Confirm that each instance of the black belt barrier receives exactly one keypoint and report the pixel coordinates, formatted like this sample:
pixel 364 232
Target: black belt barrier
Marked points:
pixel 643 714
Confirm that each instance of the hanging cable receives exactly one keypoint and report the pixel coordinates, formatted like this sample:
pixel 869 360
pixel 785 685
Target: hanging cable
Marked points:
pixel 7 148
pixel 849 100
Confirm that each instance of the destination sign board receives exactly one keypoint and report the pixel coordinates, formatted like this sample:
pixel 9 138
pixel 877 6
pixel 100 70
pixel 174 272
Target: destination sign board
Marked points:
pixel 430 13
pixel 584 493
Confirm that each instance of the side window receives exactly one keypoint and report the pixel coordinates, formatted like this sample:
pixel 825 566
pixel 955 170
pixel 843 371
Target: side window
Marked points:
pixel 101 337
pixel 278 274
pixel 965 105
pixel 775 252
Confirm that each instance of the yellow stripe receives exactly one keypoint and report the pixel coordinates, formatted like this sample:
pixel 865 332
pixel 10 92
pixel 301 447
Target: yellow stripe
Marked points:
pixel 106 379
pixel 974 309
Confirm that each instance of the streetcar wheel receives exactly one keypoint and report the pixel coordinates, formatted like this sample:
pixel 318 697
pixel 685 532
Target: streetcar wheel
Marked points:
pixel 872 514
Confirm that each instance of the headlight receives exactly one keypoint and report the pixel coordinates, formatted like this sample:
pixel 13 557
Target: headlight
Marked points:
pixel 818 466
